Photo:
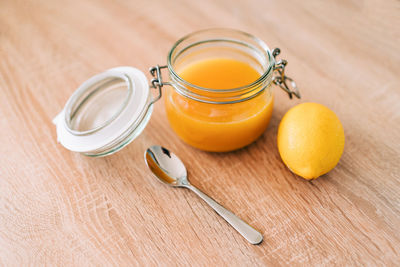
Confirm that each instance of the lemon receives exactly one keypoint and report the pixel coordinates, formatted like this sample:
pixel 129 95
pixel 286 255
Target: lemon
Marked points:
pixel 310 140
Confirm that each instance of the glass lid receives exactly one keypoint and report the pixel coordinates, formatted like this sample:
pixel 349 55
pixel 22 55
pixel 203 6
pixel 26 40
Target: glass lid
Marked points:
pixel 104 111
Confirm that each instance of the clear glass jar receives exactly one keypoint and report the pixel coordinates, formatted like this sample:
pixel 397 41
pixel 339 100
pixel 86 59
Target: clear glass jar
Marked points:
pixel 112 108
pixel 219 119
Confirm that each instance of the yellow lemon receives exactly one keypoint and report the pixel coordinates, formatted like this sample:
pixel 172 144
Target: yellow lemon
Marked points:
pixel 310 140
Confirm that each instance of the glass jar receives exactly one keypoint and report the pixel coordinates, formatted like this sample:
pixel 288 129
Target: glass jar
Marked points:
pixel 112 108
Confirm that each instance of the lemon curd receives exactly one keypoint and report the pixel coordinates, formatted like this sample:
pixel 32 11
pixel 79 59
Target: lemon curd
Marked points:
pixel 217 126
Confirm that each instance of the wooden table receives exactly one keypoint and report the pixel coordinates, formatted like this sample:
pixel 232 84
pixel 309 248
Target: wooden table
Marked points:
pixel 62 208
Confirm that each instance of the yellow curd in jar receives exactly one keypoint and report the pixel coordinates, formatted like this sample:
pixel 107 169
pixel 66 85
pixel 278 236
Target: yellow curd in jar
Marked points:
pixel 215 126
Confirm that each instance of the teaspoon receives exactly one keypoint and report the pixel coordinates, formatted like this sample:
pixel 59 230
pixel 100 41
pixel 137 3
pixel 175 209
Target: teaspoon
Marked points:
pixel 168 168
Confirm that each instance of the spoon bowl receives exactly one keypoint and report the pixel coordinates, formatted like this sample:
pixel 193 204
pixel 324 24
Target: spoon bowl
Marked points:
pixel 166 166
pixel 169 169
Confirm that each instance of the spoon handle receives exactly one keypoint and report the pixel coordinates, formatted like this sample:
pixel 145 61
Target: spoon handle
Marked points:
pixel 248 232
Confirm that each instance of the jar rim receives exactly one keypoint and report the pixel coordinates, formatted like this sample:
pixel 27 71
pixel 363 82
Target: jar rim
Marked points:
pixel 262 44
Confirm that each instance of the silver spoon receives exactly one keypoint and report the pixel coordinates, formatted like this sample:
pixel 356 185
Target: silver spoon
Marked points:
pixel 170 170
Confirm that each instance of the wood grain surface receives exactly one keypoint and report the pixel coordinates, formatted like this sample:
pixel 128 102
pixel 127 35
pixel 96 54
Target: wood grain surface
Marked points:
pixel 62 208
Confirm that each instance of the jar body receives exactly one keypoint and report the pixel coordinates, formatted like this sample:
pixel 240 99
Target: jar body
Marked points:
pixel 213 119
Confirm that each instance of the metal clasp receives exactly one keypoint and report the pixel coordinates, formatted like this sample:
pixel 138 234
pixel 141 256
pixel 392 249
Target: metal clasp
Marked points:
pixel 157 82
pixel 282 79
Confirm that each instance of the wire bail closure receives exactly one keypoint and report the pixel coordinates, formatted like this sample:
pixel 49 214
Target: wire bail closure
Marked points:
pixel 282 79
pixel 157 82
